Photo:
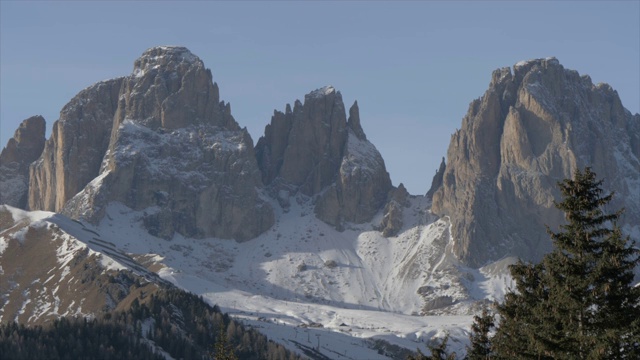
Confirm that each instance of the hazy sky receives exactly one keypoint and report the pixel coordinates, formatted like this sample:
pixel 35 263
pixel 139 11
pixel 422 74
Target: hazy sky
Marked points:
pixel 413 66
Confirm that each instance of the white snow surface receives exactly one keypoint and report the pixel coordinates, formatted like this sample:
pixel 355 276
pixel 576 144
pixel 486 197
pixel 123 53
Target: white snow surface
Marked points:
pixel 303 283
pixel 361 155
pixel 75 236
pixel 302 274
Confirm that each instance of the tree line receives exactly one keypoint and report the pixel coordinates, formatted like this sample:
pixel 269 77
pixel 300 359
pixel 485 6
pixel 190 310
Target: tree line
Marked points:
pixel 173 321
pixel 579 302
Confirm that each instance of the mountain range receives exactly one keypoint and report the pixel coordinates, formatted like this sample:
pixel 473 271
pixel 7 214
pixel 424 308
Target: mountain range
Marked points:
pixel 302 233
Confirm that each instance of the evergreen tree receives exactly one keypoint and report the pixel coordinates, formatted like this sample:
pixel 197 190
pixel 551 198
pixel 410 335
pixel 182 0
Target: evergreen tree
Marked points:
pixel 438 352
pixel 580 302
pixel 480 348
pixel 524 319
pixel 223 349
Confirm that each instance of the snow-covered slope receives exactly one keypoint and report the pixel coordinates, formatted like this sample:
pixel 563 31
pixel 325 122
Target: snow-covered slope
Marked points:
pixel 304 283
pixel 52 266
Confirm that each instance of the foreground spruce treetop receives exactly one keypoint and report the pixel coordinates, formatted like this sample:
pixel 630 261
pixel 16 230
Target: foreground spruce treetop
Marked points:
pixel 480 339
pixel 579 302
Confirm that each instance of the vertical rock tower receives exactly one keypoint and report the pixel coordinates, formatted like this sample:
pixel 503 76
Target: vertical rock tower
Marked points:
pixel 23 148
pixel 159 140
pixel 315 150
pixel 532 128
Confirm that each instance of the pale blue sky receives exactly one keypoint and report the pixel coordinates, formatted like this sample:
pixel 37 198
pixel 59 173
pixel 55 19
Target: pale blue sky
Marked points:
pixel 413 66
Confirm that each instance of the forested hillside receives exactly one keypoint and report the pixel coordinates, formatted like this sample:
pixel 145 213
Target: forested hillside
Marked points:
pixel 169 322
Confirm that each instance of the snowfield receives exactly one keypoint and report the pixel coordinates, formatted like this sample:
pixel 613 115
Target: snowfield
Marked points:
pixel 355 294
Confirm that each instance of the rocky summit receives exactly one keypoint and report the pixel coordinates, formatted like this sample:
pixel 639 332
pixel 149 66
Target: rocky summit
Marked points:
pixel 159 139
pixel 22 149
pixel 532 128
pixel 316 151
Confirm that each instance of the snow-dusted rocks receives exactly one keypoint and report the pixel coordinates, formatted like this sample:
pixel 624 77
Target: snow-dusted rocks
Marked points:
pixel 22 149
pixel 158 140
pixel 177 151
pixel 531 129
pixel 170 89
pixel 313 149
pixel 46 272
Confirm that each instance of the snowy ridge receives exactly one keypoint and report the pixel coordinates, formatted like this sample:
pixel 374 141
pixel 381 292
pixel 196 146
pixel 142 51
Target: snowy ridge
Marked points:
pixel 74 235
pixel 303 278
pixel 303 283
pixel 42 287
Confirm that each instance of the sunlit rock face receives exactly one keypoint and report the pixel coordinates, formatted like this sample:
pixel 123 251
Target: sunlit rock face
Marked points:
pixel 73 153
pixel 532 128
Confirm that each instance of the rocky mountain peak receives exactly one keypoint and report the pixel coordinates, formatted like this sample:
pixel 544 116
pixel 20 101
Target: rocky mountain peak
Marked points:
pixel 159 141
pixel 27 142
pixel 22 149
pixel 302 148
pixel 531 129
pixel 353 122
pixel 170 88
pixel 315 151
pixel 166 58
pixel 322 92
pixel 436 182
pixel 521 68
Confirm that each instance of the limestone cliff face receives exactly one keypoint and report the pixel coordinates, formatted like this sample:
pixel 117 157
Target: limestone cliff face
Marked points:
pixel 22 149
pixel 74 152
pixel 531 129
pixel 315 150
pixel 304 147
pixel 436 182
pixel 392 220
pixel 159 140
pixel 171 89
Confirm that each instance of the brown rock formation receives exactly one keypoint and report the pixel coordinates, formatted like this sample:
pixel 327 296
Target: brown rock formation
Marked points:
pixel 436 182
pixel 74 152
pixel 159 140
pixel 392 221
pixel 304 147
pixel 22 149
pixel 530 130
pixel 315 150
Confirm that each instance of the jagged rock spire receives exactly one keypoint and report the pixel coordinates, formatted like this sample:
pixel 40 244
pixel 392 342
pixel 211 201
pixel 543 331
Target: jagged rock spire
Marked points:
pixel 314 150
pixel 22 149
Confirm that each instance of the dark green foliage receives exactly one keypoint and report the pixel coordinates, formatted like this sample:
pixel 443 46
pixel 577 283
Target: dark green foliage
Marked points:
pixel 72 339
pixel 480 341
pixel 523 319
pixel 438 352
pixel 579 303
pixel 223 350
pixel 179 323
